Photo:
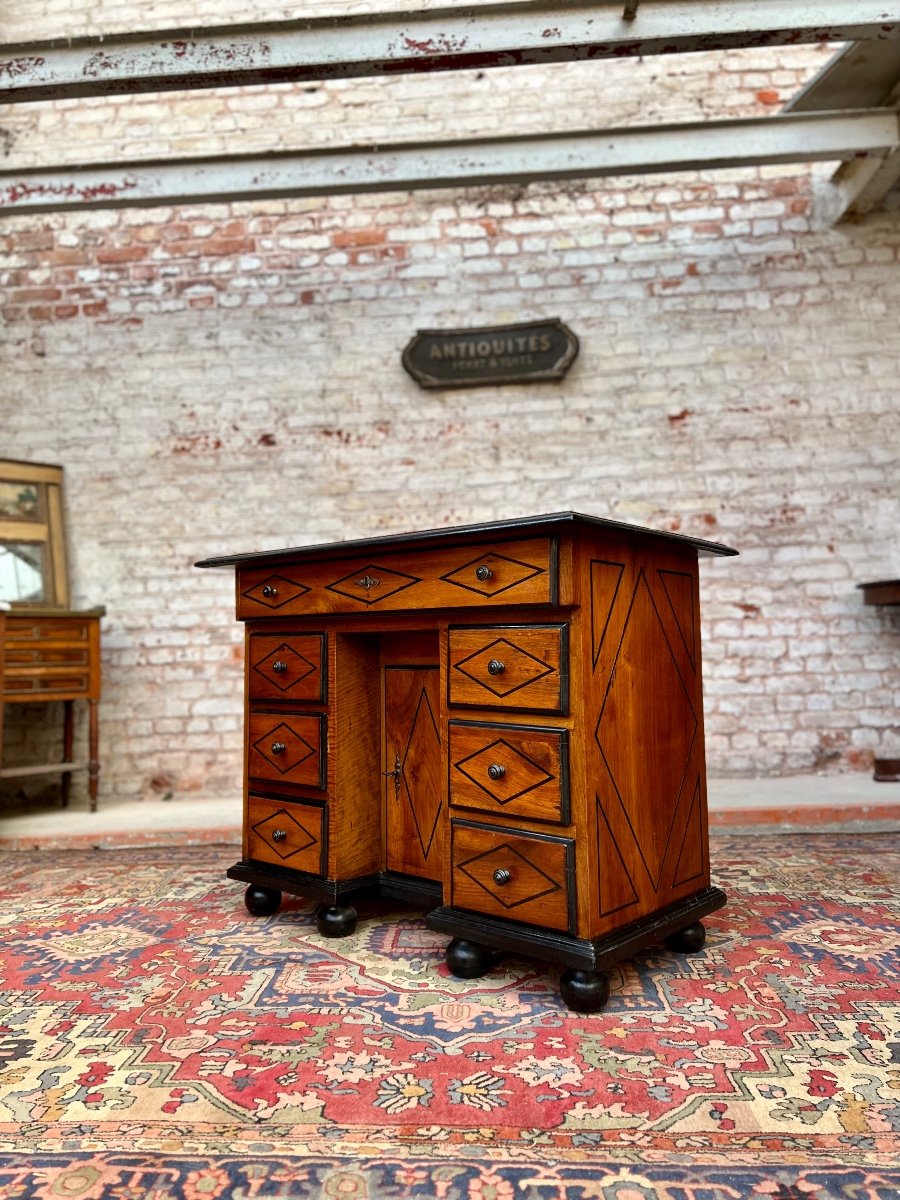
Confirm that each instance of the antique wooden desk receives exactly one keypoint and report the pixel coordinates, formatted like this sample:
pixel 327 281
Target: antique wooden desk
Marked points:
pixel 54 654
pixel 500 722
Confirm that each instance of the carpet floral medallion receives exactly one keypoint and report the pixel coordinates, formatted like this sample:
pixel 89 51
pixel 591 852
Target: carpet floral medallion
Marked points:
pixel 156 1041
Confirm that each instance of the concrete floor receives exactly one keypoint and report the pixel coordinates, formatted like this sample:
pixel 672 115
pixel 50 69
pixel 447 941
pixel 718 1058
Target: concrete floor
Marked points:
pixel 799 803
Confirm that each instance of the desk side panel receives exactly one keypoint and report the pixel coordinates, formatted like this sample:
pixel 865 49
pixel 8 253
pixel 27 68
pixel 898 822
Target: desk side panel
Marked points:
pixel 642 727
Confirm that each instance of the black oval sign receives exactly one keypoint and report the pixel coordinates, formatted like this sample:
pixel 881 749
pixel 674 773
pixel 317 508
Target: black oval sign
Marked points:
pixel 526 353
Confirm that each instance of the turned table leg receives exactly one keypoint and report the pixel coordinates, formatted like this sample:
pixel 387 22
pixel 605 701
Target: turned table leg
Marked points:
pixel 68 739
pixel 93 751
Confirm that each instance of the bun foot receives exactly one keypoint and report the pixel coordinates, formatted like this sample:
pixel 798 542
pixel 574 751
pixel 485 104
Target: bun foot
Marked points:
pixel 584 991
pixel 261 901
pixel 688 940
pixel 336 920
pixel 467 960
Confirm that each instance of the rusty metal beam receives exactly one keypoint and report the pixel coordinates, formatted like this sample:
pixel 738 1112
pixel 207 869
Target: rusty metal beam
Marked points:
pixel 408 167
pixel 508 34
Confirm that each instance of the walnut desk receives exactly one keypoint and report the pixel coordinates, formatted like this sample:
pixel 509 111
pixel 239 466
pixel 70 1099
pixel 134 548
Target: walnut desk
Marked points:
pixel 500 722
pixel 54 654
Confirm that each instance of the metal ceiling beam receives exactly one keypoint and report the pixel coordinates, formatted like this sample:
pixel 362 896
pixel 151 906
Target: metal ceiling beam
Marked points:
pixel 863 75
pixel 508 34
pixel 857 187
pixel 407 167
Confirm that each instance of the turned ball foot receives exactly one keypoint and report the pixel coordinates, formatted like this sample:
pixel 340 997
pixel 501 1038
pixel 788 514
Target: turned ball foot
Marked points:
pixel 584 991
pixel 467 960
pixel 688 940
pixel 336 920
pixel 261 901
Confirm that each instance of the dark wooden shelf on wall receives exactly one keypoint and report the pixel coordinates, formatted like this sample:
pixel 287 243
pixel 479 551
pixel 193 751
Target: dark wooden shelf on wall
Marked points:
pixel 883 591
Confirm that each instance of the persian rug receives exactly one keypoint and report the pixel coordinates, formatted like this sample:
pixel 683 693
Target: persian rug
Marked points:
pixel 158 1042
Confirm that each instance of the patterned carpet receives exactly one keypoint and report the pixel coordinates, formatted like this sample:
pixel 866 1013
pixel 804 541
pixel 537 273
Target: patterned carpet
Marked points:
pixel 157 1042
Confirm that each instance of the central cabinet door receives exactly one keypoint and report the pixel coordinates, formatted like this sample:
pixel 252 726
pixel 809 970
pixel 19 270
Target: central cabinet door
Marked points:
pixel 414 796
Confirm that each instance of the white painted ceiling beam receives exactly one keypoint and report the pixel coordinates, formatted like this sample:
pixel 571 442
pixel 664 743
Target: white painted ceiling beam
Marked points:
pixel 507 34
pixel 863 75
pixel 589 154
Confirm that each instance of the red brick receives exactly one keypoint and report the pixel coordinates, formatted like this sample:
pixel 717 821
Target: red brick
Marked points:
pixel 122 254
pixel 24 295
pixel 358 237
pixel 221 245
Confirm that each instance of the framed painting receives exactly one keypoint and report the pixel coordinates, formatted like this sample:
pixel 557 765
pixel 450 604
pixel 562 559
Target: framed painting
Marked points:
pixel 33 566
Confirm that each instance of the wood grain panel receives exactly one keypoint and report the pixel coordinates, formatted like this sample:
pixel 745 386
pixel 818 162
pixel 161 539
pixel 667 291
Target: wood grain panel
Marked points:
pixel 354 768
pixel 518 572
pixel 510 770
pixel 287 748
pixel 645 755
pixel 287 667
pixel 414 793
pixel 521 876
pixel 521 667
pixel 286 834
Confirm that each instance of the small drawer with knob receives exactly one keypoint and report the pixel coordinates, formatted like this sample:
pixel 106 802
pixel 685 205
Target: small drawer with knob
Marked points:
pixel 513 874
pixel 287 666
pixel 510 770
pixel 287 834
pixel 287 747
pixel 463 576
pixel 519 667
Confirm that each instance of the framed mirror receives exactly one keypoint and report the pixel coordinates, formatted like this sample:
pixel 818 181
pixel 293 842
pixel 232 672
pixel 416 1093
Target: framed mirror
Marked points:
pixel 33 569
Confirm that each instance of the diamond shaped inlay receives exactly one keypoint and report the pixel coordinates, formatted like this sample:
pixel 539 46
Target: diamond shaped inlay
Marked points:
pixel 299 838
pixel 372 584
pixel 505 573
pixel 298 667
pixel 275 591
pixel 521 774
pixel 424 743
pixel 296 748
pixel 646 730
pixel 520 667
pixel 530 882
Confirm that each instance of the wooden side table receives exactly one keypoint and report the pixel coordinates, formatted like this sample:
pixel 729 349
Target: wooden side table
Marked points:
pixel 54 654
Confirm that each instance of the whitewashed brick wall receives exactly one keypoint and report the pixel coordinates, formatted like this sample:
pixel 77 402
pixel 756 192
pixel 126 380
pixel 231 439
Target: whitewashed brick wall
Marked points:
pixel 227 378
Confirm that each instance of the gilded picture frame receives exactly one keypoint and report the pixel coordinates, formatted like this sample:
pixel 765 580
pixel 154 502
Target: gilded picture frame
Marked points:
pixel 33 558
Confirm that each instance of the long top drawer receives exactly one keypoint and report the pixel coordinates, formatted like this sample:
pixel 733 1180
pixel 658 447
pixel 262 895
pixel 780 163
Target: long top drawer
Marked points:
pixel 517 572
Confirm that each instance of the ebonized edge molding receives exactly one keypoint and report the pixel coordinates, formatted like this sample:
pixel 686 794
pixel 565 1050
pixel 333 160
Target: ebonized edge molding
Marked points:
pixel 513 937
pixel 424 537
pixel 301 883
pixel 390 884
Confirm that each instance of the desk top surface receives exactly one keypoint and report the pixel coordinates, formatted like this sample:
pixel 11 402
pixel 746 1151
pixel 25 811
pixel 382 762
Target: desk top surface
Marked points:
pixel 546 523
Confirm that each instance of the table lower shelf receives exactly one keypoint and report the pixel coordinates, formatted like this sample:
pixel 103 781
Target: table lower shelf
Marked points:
pixel 60 768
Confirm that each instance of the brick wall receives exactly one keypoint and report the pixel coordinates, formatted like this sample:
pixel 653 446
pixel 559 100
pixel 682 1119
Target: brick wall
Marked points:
pixel 223 378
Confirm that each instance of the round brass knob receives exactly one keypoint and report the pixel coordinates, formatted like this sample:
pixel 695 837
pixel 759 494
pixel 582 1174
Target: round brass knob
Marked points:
pixel 279 666
pixel 484 573
pixel 501 876
pixel 269 590
pixel 278 835
pixel 278 747
pixel 496 771
pixel 496 667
